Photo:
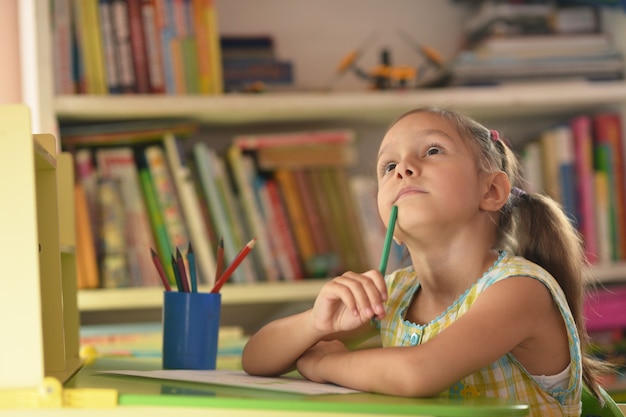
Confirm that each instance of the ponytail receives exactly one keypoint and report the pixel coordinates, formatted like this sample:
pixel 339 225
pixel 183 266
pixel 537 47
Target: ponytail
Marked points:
pixel 543 234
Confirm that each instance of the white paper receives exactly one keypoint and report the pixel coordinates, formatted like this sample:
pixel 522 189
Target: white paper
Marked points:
pixel 240 379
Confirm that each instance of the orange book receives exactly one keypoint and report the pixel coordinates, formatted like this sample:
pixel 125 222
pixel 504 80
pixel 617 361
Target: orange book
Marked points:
pixel 297 215
pixel 87 264
pixel 320 240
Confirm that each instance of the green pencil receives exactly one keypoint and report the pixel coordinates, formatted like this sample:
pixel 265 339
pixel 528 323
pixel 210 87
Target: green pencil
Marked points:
pixel 388 239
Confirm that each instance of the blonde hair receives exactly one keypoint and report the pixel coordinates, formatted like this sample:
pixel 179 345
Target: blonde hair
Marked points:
pixel 533 226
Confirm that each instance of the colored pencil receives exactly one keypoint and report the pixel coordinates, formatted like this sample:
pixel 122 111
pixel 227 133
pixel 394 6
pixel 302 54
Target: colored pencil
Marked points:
pixel 234 264
pixel 179 283
pixel 182 271
pixel 388 239
pixel 159 266
pixel 191 261
pixel 219 260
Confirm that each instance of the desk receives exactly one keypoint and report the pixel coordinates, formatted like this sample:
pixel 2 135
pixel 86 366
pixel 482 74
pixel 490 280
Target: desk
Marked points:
pixel 155 398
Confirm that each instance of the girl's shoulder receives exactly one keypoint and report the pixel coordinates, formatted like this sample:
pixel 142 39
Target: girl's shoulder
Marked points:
pixel 515 266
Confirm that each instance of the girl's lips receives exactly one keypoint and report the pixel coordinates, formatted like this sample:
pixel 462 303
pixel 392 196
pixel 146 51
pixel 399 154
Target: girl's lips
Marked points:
pixel 408 191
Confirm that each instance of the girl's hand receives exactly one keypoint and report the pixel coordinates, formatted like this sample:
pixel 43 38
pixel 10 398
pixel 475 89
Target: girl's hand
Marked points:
pixel 349 301
pixel 308 363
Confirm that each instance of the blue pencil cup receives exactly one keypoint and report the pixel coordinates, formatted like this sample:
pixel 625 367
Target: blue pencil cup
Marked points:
pixel 191 324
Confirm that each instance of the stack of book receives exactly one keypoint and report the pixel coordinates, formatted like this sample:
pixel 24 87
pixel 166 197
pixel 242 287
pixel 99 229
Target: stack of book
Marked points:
pixel 581 165
pixel 539 57
pixel 136 46
pixel 290 191
pixel 250 64
pixel 531 41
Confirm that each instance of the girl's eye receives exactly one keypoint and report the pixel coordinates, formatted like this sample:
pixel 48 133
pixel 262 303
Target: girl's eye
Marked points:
pixel 433 150
pixel 388 167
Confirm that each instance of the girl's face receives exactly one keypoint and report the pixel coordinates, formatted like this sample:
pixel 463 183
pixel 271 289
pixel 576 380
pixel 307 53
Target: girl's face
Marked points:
pixel 431 173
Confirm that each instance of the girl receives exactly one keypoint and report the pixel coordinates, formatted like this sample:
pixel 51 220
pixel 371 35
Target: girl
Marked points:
pixel 492 304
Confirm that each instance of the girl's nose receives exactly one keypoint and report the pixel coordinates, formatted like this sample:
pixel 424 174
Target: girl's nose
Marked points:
pixel 404 169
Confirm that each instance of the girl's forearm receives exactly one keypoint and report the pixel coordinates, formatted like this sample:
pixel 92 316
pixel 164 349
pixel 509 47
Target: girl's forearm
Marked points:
pixel 380 370
pixel 274 349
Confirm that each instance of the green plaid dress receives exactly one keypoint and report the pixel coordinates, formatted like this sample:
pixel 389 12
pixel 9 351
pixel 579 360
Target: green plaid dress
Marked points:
pixel 505 378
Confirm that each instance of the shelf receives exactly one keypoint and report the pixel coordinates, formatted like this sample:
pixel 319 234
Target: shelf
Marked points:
pixel 152 297
pixel 498 101
pixel 261 293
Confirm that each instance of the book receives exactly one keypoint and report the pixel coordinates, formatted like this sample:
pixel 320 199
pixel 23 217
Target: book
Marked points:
pixel 247 46
pixel 190 64
pixel 138 46
pixel 279 228
pixel 114 271
pixel 167 34
pixel 122 59
pixel 215 186
pixel 583 149
pixel 87 176
pixel 205 74
pixel 297 217
pixel 549 164
pixel 118 164
pixel 603 211
pixel 62 38
pixel 167 198
pixel 240 73
pixel 153 46
pixel 564 143
pixel 301 156
pixel 109 45
pixel 109 133
pixel 209 24
pixel 86 261
pixel 257 142
pixel 89 40
pixel 531 160
pixel 334 262
pixel 186 191
pixel 279 254
pixel 356 254
pixel 163 246
pixel 608 130
pixel 244 178
pixel 545 45
pixel 320 239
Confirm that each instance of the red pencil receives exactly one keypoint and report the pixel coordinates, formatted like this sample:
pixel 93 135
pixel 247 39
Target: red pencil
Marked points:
pixel 231 268
pixel 160 270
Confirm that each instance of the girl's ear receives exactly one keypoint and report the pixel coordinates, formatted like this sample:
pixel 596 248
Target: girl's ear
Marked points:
pixel 497 190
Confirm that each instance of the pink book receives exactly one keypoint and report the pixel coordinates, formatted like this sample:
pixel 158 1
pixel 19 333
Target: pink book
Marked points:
pixel 583 150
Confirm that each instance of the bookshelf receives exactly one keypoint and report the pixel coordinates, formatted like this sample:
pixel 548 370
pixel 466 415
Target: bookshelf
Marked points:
pixel 507 101
pixel 500 103
pixel 504 104
pixel 39 278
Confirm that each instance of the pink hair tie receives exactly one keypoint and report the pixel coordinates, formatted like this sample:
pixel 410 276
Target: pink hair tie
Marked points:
pixel 495 136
